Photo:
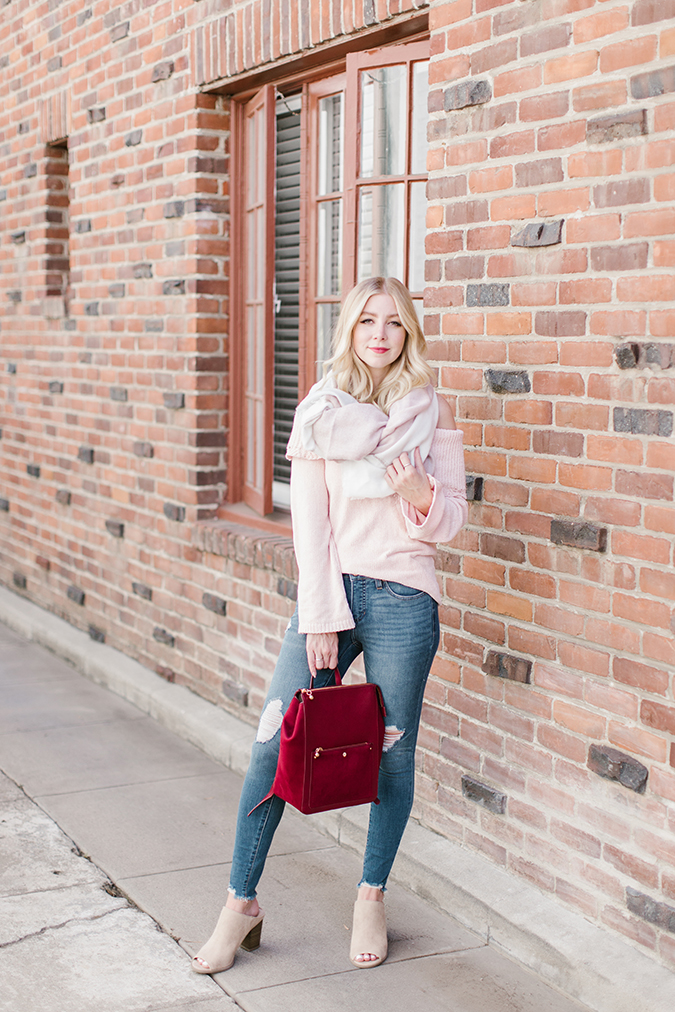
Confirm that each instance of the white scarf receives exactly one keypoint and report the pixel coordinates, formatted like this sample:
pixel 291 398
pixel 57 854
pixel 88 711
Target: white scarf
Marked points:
pixel 411 423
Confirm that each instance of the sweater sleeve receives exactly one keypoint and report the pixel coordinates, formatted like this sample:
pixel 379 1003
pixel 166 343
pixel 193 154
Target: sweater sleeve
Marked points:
pixel 322 603
pixel 448 511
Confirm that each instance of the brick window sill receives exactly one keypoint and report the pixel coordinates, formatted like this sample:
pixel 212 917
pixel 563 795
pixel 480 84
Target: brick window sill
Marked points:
pixel 241 542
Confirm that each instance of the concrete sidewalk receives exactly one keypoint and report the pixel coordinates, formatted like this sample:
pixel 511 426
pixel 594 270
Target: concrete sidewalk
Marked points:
pixel 156 815
pixel 140 809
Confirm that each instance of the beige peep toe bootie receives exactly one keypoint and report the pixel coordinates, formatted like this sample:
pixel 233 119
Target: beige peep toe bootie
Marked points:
pixel 232 930
pixel 369 933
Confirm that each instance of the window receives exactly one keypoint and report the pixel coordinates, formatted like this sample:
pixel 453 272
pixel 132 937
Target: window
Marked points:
pixel 330 180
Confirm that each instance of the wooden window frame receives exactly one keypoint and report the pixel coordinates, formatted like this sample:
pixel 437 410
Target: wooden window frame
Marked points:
pixel 244 503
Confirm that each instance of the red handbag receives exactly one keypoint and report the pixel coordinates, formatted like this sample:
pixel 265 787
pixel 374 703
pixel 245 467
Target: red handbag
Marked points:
pixel 331 745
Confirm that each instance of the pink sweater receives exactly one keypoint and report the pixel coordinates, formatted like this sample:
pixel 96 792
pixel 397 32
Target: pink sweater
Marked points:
pixel 385 539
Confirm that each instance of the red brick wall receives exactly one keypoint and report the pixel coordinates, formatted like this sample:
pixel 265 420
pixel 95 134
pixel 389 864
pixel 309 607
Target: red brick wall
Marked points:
pixel 560 115
pixel 559 358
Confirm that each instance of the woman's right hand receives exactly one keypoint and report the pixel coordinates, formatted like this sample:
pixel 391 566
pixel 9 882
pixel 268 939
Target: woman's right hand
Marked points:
pixel 322 651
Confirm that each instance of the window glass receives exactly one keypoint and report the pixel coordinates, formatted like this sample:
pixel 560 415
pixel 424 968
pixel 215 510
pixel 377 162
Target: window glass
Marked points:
pixel 380 235
pixel 383 121
pixel 330 143
pixel 420 117
pixel 417 230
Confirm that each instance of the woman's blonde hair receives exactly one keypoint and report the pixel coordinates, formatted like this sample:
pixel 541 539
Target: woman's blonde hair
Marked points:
pixel 408 371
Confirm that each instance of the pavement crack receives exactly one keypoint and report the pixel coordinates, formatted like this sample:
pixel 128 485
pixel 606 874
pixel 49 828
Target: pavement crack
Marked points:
pixel 56 927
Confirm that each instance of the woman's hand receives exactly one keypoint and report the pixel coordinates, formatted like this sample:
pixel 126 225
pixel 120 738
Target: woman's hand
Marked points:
pixel 322 651
pixel 410 481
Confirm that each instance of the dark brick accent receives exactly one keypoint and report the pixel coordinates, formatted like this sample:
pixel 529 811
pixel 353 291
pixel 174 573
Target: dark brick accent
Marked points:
pixel 547 170
pixel 646 12
pixel 211 204
pixel 119 32
pixel 91 309
pixel 648 486
pixel 235 691
pixel 96 634
pixel 83 16
pixel 166 673
pixel 486 797
pixel 4 505
pixel 30 170
pixel 629 257
pixel 162 636
pixel 207 163
pixel 3 194
pixel 33 470
pixel 19 580
pixel 142 270
pixel 215 604
pixel 86 454
pixel 75 594
pixel 96 115
pixel 162 71
pixel 461 96
pixel 133 138
pixel 23 127
pixel 447 562
pixel 54 64
pixel 119 394
pixel 508 381
pixel 142 590
pixel 287 588
pixel 579 535
pixel 14 296
pixel 649 422
pixel 499 547
pixel 43 563
pixel 474 488
pixel 564 444
pixel 611 764
pixel 653 83
pixel 606 129
pixel 515 669
pixel 661 356
pixel 142 449
pixel 174 400
pixel 115 527
pixel 176 287
pixel 18 237
pixel 654 911
pixel 174 209
pixel 622 191
pixel 174 512
pixel 11 368
pixel 627 355
pixel 544 233
pixel 63 497
pixel 56 387
pixel 117 179
pixel 83 225
pixel 116 291
pixel 488 295
pixel 566 324
pixel 154 326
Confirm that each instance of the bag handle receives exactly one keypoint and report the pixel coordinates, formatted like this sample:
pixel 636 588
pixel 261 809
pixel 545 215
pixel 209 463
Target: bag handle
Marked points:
pixel 338 679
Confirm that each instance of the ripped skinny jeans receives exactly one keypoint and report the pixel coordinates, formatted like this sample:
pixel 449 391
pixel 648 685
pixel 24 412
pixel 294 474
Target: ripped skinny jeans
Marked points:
pixel 397 632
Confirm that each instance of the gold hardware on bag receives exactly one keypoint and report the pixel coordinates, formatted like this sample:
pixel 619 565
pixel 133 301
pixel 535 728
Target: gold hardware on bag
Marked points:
pixel 344 755
pixel 317 752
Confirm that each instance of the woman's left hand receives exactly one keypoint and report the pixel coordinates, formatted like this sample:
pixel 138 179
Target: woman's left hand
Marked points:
pixel 410 480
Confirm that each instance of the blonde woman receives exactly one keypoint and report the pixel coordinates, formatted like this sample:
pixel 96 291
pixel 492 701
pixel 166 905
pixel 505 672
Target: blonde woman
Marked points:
pixel 377 479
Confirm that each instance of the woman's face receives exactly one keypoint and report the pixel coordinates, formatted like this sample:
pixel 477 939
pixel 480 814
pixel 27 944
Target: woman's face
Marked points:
pixel 379 336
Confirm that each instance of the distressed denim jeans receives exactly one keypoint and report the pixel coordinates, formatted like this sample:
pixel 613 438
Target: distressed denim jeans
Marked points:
pixel 397 632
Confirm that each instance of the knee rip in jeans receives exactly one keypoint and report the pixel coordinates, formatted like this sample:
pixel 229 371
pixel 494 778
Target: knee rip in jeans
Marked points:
pixel 270 721
pixel 391 736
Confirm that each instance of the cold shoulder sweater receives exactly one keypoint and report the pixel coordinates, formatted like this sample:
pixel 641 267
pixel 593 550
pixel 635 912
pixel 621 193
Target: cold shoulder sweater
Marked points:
pixel 386 539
